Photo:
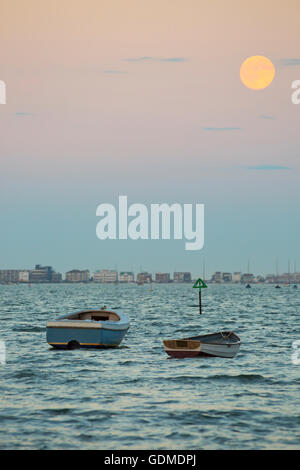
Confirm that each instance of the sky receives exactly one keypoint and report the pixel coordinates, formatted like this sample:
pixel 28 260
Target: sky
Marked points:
pixel 144 99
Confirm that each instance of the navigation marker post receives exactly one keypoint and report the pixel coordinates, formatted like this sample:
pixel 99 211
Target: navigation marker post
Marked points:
pixel 199 284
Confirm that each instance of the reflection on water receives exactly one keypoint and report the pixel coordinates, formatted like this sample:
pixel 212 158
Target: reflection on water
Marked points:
pixel 136 396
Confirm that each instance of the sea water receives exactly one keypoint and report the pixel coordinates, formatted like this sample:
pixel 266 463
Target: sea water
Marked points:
pixel 135 396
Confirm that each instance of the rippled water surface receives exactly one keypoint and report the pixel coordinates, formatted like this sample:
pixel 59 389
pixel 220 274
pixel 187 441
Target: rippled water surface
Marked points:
pixel 135 397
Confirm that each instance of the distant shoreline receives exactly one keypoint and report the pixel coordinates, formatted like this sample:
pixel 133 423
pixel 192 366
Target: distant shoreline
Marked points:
pixel 153 282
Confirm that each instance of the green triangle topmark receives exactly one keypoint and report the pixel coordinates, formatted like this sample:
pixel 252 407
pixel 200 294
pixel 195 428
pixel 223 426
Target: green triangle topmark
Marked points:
pixel 199 284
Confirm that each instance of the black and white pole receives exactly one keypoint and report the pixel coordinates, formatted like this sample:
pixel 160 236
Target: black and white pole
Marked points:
pixel 199 284
pixel 200 302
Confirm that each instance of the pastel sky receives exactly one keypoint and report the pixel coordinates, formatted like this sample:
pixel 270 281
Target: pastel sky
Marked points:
pixel 107 97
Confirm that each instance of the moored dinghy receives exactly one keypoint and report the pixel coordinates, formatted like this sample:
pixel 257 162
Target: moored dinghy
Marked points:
pixel 222 344
pixel 88 328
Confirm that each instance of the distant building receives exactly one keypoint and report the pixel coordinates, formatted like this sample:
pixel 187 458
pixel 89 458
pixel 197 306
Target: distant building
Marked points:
pixel 182 277
pixel 295 278
pixel 9 275
pixel 56 277
pixel 38 275
pixel 24 276
pixel 41 273
pixel 144 277
pixel 78 276
pixel 227 277
pixel 105 276
pixel 270 278
pixel 247 278
pixel 236 277
pixel 162 278
pixel 126 276
pixel 97 276
pixel 217 277
pixel 285 278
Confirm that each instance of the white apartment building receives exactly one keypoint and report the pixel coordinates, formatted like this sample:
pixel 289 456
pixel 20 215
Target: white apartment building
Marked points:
pixel 236 277
pixel 23 276
pixel 105 276
pixel 10 275
pixel 126 276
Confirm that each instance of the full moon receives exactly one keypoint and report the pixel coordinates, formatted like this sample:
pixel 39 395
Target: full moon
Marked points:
pixel 257 72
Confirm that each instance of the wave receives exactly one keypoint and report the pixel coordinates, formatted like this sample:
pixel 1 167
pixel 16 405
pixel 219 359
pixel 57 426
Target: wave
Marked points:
pixel 219 377
pixel 57 411
pixel 28 329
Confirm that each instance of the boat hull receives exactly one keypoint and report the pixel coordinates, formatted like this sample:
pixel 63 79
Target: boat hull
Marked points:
pixel 85 337
pixel 67 333
pixel 182 354
pixel 206 346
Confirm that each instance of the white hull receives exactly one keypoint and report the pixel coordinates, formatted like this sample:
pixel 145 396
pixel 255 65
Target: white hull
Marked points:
pixel 219 350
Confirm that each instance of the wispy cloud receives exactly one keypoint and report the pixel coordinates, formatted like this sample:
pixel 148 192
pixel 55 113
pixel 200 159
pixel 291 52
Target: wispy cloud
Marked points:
pixel 173 59
pixel 22 113
pixel 266 116
pixel 115 72
pixel 156 59
pixel 291 62
pixel 268 167
pixel 221 129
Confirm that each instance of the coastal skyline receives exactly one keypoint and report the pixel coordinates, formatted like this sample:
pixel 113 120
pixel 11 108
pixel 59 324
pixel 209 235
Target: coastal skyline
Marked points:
pixel 107 98
pixel 47 273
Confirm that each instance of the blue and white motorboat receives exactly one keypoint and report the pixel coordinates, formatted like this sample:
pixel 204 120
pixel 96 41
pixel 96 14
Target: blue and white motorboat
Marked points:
pixel 88 328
